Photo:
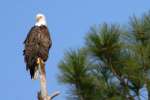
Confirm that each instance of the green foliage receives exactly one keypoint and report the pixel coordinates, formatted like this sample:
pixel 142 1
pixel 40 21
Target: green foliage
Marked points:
pixel 75 64
pixel 112 63
pixel 107 44
pixel 74 69
pixel 140 34
pixel 140 28
pixel 104 43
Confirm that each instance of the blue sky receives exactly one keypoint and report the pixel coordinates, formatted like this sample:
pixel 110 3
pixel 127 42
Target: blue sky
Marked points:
pixel 68 22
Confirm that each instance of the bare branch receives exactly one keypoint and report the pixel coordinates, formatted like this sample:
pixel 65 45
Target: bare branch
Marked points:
pixel 43 94
pixel 53 95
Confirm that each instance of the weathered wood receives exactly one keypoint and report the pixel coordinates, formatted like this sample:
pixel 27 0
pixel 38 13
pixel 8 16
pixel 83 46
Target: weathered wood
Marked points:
pixel 43 93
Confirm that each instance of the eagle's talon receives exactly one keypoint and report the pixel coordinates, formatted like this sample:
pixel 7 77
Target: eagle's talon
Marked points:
pixel 38 61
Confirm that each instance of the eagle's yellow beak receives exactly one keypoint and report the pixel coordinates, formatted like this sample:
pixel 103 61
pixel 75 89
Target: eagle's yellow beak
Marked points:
pixel 38 18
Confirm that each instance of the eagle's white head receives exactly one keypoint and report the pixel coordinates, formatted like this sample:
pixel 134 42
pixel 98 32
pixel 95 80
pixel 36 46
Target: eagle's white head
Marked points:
pixel 40 20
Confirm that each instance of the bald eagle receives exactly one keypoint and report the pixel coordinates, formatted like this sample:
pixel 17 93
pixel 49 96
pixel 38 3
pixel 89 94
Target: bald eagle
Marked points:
pixel 37 45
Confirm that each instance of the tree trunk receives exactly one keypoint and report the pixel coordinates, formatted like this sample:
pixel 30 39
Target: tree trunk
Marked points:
pixel 43 94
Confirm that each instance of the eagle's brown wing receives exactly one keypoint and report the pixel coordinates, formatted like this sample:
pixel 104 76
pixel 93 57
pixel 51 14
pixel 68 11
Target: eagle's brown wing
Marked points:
pixel 37 44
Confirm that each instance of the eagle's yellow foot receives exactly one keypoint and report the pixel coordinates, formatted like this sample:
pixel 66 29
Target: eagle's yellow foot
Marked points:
pixel 38 61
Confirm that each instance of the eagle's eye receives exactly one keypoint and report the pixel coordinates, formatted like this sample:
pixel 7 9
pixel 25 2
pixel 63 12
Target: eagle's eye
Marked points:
pixel 39 18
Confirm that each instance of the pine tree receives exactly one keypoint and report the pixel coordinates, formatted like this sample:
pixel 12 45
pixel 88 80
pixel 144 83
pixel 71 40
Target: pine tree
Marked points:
pixel 114 64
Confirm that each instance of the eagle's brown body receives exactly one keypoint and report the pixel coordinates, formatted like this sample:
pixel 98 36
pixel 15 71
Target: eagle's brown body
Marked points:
pixel 37 44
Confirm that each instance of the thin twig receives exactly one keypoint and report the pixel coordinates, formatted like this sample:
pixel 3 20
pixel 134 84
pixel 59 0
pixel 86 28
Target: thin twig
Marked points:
pixel 53 95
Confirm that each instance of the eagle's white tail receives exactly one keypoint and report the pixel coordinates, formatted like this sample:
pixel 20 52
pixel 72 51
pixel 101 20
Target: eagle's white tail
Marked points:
pixel 36 75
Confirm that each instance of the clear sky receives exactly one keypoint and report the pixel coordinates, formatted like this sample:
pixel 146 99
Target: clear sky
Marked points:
pixel 68 22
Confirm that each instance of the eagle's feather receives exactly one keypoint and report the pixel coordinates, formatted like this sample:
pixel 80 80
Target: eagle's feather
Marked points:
pixel 37 44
